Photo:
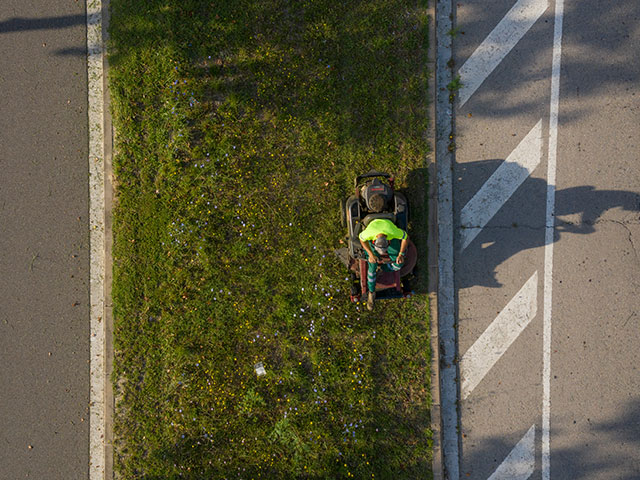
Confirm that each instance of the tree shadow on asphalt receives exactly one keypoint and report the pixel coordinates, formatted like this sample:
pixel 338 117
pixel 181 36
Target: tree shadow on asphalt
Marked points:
pixel 597 458
pixel 604 52
pixel 520 224
pixel 24 24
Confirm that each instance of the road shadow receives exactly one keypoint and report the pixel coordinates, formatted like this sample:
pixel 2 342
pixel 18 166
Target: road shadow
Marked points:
pixel 599 449
pixel 22 24
pixel 519 225
pixel 26 24
pixel 595 47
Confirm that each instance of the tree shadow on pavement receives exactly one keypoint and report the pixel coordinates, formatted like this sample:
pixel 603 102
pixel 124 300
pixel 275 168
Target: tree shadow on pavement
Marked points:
pixel 25 24
pixel 21 24
pixel 604 53
pixel 590 455
pixel 519 225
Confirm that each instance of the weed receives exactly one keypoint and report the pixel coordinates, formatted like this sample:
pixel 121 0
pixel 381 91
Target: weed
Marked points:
pixel 455 84
pixel 453 33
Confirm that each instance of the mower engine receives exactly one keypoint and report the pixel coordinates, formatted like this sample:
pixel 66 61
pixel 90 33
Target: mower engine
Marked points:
pixel 376 187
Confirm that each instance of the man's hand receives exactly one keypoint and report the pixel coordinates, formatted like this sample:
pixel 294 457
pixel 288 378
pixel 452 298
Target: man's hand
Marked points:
pixel 372 258
pixel 400 258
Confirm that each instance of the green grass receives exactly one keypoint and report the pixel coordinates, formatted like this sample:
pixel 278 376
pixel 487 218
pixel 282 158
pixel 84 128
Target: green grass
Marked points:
pixel 240 125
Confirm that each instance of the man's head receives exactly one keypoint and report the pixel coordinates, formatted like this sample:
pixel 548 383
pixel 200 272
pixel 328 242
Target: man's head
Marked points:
pixel 381 244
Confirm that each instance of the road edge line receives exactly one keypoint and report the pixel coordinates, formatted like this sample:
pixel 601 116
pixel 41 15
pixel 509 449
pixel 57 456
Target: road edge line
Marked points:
pixel 549 235
pixel 99 330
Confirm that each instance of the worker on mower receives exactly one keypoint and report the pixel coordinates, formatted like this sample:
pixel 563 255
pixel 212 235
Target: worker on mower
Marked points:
pixel 386 245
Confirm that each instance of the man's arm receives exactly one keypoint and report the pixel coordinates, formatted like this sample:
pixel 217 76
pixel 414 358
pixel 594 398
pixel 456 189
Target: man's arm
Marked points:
pixel 403 249
pixel 403 245
pixel 365 245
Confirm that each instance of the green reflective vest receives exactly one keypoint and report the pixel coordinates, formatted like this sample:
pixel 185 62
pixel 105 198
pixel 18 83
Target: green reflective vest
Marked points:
pixel 376 227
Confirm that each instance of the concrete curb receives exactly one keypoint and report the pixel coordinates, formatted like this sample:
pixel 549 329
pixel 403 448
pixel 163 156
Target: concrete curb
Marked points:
pixel 432 246
pixel 108 243
pixel 446 298
pixel 97 195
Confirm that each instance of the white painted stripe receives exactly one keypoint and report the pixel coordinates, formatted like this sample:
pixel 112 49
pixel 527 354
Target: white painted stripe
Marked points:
pixel 501 185
pixel 498 44
pixel 520 462
pixel 96 239
pixel 498 337
pixel 549 234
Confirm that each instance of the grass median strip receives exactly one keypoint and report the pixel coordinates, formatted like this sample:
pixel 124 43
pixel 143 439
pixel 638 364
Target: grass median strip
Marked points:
pixel 240 126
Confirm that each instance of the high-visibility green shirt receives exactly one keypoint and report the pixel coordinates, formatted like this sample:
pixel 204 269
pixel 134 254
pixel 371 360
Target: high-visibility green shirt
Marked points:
pixel 381 225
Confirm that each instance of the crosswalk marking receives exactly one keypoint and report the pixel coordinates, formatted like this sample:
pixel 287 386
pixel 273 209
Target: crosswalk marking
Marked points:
pixel 499 336
pixel 498 44
pixel 501 185
pixel 520 462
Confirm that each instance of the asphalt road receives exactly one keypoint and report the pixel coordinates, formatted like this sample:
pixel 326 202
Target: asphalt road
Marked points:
pixel 503 132
pixel 595 389
pixel 44 327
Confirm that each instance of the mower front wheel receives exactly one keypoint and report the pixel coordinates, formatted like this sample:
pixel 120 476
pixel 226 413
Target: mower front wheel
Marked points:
pixel 355 288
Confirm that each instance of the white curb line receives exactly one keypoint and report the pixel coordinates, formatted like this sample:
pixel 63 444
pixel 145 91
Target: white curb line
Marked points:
pixel 96 239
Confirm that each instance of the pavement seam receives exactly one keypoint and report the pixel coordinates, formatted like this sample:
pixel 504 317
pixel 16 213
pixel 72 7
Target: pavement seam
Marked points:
pixel 446 314
pixel 109 193
pixel 432 249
